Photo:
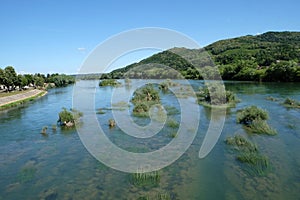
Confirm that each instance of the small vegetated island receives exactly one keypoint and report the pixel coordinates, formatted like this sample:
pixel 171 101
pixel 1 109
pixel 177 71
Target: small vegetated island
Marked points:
pixel 215 95
pixel 68 118
pixel 291 103
pixel 254 120
pixel 109 82
pixel 143 98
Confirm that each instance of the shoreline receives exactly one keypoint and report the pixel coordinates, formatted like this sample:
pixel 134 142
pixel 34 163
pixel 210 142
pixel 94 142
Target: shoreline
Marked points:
pixel 14 100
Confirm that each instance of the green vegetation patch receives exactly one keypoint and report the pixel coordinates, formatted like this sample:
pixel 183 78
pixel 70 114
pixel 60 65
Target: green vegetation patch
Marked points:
pixel 291 103
pixel 69 118
pixel 254 120
pixel 143 98
pixel 26 174
pixel 145 179
pixel 109 82
pixel 247 153
pixel 215 95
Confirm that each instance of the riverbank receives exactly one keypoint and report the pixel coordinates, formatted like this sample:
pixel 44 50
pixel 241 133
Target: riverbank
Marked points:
pixel 13 100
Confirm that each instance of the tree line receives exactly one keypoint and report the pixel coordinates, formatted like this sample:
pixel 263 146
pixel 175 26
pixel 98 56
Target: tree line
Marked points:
pixel 11 80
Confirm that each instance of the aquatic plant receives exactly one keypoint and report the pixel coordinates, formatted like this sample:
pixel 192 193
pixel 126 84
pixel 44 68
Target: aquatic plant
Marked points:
pixel 241 143
pixel 291 103
pixel 54 127
pixel 112 123
pixel 109 82
pixel 26 174
pixel 270 98
pixel 100 111
pixel 145 179
pixel 214 94
pixel 146 93
pixel 260 127
pixel 247 153
pixel 173 135
pixel 254 120
pixel 143 98
pixel 251 113
pixel 44 130
pixel 171 110
pixel 172 123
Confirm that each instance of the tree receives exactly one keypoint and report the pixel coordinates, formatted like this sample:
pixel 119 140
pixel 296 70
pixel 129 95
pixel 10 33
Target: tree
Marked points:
pixel 9 77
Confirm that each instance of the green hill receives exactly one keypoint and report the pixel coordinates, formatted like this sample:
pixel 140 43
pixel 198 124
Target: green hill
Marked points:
pixel 272 56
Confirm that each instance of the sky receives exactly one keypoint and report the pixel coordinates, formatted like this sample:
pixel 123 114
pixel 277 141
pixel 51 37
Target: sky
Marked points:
pixel 49 36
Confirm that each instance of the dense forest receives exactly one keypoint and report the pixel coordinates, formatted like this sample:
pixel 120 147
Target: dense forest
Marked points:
pixel 272 56
pixel 11 80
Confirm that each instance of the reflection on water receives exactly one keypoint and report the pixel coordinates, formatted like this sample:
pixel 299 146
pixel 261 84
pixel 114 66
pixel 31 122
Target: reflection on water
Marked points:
pixel 59 167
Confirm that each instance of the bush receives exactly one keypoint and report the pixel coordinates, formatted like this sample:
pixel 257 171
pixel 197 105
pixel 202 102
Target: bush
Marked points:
pixel 109 82
pixel 68 118
pixel 146 94
pixel 143 99
pixel 216 96
pixel 248 115
pixel 141 108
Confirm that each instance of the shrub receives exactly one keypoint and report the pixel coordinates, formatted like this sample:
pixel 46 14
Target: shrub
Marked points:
pixel 213 94
pixel 249 114
pixel 172 123
pixel 68 118
pixel 146 94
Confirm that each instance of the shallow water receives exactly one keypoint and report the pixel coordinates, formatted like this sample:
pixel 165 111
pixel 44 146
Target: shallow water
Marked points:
pixel 58 166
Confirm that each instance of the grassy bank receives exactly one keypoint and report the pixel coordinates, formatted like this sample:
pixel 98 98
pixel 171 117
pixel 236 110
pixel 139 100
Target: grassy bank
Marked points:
pixel 22 101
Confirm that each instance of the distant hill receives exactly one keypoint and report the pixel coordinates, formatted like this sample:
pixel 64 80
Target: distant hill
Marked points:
pixel 272 56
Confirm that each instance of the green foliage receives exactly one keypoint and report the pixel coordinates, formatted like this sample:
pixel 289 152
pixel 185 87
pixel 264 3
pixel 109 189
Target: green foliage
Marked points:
pixel 241 143
pixel 291 103
pixel 60 80
pixel 145 179
pixel 143 98
pixel 71 116
pixel 259 126
pixel 26 174
pixel 172 123
pixel 247 153
pixel 249 114
pixel 171 110
pixel 109 82
pixel 140 108
pixel 146 94
pixel 215 94
pixel 272 56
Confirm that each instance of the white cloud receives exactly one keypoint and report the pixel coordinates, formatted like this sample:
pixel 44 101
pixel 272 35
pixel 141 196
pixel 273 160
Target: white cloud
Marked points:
pixel 81 49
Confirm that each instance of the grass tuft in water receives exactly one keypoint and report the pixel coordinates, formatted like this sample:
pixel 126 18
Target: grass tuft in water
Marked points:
pixel 172 123
pixel 291 103
pixel 261 127
pixel 145 179
pixel 253 163
pixel 171 110
pixel 26 174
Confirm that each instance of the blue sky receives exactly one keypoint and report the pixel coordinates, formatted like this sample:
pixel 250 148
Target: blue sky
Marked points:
pixel 49 36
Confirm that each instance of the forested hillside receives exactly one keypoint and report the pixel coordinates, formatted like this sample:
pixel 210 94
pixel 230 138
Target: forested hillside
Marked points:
pixel 272 56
